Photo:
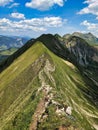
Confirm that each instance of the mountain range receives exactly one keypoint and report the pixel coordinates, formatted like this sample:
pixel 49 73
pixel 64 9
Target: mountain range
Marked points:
pixel 9 44
pixel 50 83
pixel 88 37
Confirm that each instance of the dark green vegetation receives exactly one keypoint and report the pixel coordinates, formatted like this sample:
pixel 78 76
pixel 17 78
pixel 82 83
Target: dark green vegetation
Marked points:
pixel 45 77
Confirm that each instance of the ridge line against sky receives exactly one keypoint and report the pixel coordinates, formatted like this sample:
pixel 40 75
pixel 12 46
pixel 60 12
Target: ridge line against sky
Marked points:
pixel 34 17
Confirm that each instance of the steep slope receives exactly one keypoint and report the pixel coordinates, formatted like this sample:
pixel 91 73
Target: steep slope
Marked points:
pixel 54 45
pixel 85 57
pixel 40 91
pixel 78 51
pixel 48 40
pixel 84 54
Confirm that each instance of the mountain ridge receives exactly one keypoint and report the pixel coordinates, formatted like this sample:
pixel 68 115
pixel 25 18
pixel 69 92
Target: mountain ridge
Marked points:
pixel 88 37
pixel 57 46
pixel 42 86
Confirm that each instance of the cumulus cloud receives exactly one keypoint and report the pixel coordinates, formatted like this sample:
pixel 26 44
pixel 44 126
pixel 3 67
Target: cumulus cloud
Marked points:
pixel 14 5
pixel 44 4
pixel 34 24
pixel 5 2
pixel 17 15
pixel 92 27
pixel 92 7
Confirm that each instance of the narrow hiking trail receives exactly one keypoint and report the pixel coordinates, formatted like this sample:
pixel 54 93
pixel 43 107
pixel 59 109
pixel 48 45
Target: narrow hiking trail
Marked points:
pixel 47 95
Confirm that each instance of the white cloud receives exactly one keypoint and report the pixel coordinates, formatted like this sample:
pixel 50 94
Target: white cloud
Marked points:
pixel 44 4
pixel 92 27
pixel 17 15
pixel 14 5
pixel 5 2
pixel 34 24
pixel 92 7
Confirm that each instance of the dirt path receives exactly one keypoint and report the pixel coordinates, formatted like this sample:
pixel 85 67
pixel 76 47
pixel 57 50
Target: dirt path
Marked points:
pixel 47 96
pixel 38 114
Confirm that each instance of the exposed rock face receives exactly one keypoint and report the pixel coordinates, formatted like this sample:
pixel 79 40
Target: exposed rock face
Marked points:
pixel 82 53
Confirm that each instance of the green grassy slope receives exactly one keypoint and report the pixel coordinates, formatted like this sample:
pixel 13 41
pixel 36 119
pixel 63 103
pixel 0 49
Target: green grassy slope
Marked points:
pixel 22 91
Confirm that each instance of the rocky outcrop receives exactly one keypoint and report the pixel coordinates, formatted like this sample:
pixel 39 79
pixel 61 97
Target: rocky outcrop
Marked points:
pixel 81 53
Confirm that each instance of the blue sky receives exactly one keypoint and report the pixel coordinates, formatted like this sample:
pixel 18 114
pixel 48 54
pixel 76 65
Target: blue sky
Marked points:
pixel 35 17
